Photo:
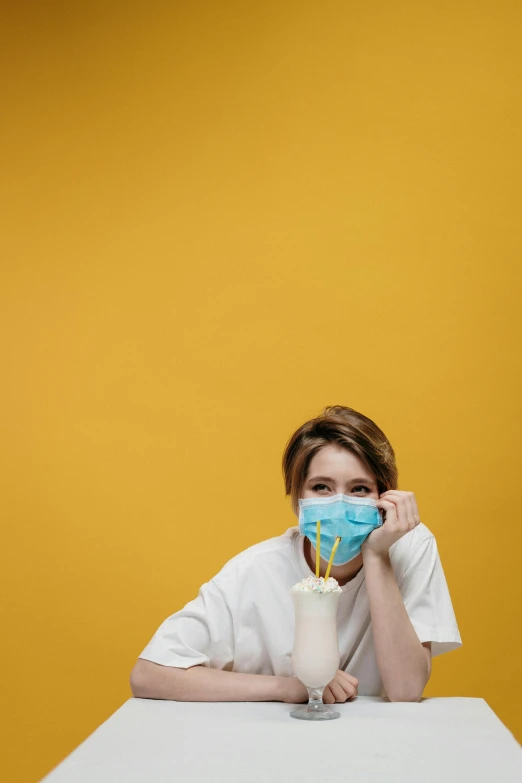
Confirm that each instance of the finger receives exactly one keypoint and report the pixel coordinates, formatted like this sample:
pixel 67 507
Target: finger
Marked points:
pixel 391 513
pixel 410 506
pixel 348 683
pixel 386 504
pixel 405 514
pixel 405 520
pixel 328 697
pixel 416 513
pixel 351 679
pixel 338 691
pixel 409 499
pixel 349 689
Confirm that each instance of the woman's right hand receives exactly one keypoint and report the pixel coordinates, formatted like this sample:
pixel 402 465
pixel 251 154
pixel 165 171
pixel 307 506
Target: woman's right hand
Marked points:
pixel 293 692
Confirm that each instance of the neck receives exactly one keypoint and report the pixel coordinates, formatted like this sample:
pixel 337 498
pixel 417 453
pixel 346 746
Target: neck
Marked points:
pixel 343 573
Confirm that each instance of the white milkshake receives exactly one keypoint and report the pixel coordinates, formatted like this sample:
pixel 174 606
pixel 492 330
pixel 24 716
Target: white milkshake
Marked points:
pixel 316 649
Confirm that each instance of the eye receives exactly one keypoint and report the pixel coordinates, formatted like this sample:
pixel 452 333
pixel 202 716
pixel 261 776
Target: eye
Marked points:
pixel 320 488
pixel 365 489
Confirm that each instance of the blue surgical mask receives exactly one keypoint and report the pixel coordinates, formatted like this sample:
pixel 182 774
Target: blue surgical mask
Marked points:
pixel 351 518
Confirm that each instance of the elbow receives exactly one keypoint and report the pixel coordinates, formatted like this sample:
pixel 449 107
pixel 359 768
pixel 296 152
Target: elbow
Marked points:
pixel 139 681
pixel 407 691
pixel 405 696
pixel 411 692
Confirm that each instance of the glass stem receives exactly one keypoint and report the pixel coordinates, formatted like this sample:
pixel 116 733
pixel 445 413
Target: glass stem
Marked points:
pixel 315 699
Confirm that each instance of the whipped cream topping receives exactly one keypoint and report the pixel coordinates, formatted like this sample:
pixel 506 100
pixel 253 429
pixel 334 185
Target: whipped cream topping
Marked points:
pixel 312 584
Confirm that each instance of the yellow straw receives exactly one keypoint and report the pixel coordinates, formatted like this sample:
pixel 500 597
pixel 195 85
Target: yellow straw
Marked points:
pixel 318 551
pixel 330 562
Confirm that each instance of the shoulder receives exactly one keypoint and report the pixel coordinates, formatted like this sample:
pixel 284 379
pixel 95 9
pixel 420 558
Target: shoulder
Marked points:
pixel 270 556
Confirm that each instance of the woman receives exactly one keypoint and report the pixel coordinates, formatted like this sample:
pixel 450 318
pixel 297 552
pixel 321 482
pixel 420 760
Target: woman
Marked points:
pixel 234 641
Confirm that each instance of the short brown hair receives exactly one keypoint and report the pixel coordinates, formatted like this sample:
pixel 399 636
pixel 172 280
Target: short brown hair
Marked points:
pixel 346 428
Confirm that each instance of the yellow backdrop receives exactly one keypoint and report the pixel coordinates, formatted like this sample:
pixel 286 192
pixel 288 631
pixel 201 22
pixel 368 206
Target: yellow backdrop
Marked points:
pixel 219 217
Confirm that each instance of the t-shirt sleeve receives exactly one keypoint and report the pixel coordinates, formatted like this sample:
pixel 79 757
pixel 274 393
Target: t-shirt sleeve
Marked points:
pixel 200 634
pixel 427 600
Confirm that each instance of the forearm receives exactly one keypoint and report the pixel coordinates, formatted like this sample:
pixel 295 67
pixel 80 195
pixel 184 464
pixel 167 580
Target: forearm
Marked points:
pixel 152 681
pixel 404 664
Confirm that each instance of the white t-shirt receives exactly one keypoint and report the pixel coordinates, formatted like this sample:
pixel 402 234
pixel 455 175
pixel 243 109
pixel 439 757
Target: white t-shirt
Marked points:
pixel 243 619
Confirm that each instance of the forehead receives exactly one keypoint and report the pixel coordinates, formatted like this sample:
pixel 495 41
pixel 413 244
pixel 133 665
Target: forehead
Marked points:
pixel 338 463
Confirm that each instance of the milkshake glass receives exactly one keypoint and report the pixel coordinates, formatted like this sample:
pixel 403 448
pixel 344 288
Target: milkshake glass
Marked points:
pixel 316 649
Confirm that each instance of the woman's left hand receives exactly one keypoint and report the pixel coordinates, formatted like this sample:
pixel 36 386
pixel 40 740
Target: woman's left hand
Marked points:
pixel 402 515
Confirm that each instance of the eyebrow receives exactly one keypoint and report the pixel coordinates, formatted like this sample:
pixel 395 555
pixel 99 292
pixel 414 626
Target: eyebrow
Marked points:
pixel 352 481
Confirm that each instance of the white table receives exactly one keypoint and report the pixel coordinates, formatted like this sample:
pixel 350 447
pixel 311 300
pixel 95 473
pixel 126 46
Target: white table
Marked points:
pixel 443 740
